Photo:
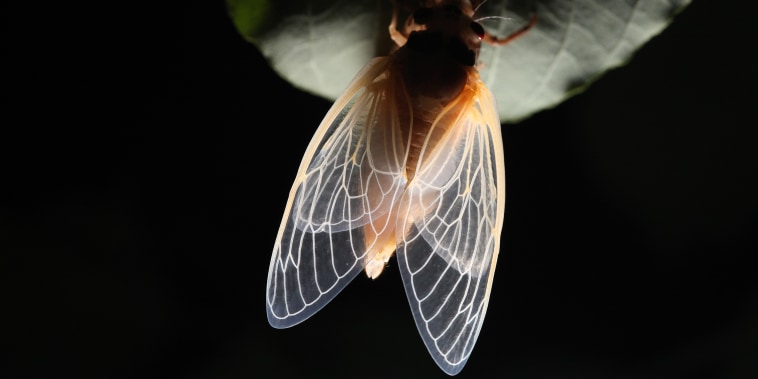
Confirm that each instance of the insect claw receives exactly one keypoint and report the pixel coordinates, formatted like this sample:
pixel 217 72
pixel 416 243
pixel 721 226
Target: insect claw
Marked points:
pixel 496 41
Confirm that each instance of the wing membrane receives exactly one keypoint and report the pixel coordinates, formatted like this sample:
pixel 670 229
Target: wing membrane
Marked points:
pixel 350 178
pixel 452 214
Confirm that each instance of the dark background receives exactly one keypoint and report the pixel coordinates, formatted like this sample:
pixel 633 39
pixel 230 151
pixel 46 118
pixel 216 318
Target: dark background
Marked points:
pixel 147 158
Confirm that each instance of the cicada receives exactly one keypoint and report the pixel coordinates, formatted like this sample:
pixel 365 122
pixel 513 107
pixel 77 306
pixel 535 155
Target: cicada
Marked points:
pixel 408 161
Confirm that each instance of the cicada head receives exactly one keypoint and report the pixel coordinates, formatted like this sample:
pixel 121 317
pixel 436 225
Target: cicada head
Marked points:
pixel 441 48
pixel 446 29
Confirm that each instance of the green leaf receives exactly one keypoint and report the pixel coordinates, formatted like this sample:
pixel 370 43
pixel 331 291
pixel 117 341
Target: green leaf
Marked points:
pixel 249 16
pixel 319 45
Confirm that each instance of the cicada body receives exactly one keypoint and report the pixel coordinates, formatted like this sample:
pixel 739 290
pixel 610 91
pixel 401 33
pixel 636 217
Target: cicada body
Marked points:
pixel 408 161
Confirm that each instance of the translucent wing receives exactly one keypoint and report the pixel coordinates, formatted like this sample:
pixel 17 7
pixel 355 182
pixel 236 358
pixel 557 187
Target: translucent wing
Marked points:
pixel 452 217
pixel 350 178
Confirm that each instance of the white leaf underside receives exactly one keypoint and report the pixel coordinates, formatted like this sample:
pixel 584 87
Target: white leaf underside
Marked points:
pixel 572 44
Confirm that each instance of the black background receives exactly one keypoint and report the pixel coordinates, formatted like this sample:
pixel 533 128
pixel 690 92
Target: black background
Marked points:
pixel 148 154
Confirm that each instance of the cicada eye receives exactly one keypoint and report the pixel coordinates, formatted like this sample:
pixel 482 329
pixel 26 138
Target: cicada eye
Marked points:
pixel 422 15
pixel 477 29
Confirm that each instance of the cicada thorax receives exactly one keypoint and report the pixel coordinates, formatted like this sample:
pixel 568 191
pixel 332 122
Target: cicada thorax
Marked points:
pixel 435 68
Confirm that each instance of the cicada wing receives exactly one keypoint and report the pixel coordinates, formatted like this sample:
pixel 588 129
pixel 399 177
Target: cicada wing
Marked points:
pixel 348 181
pixel 452 215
